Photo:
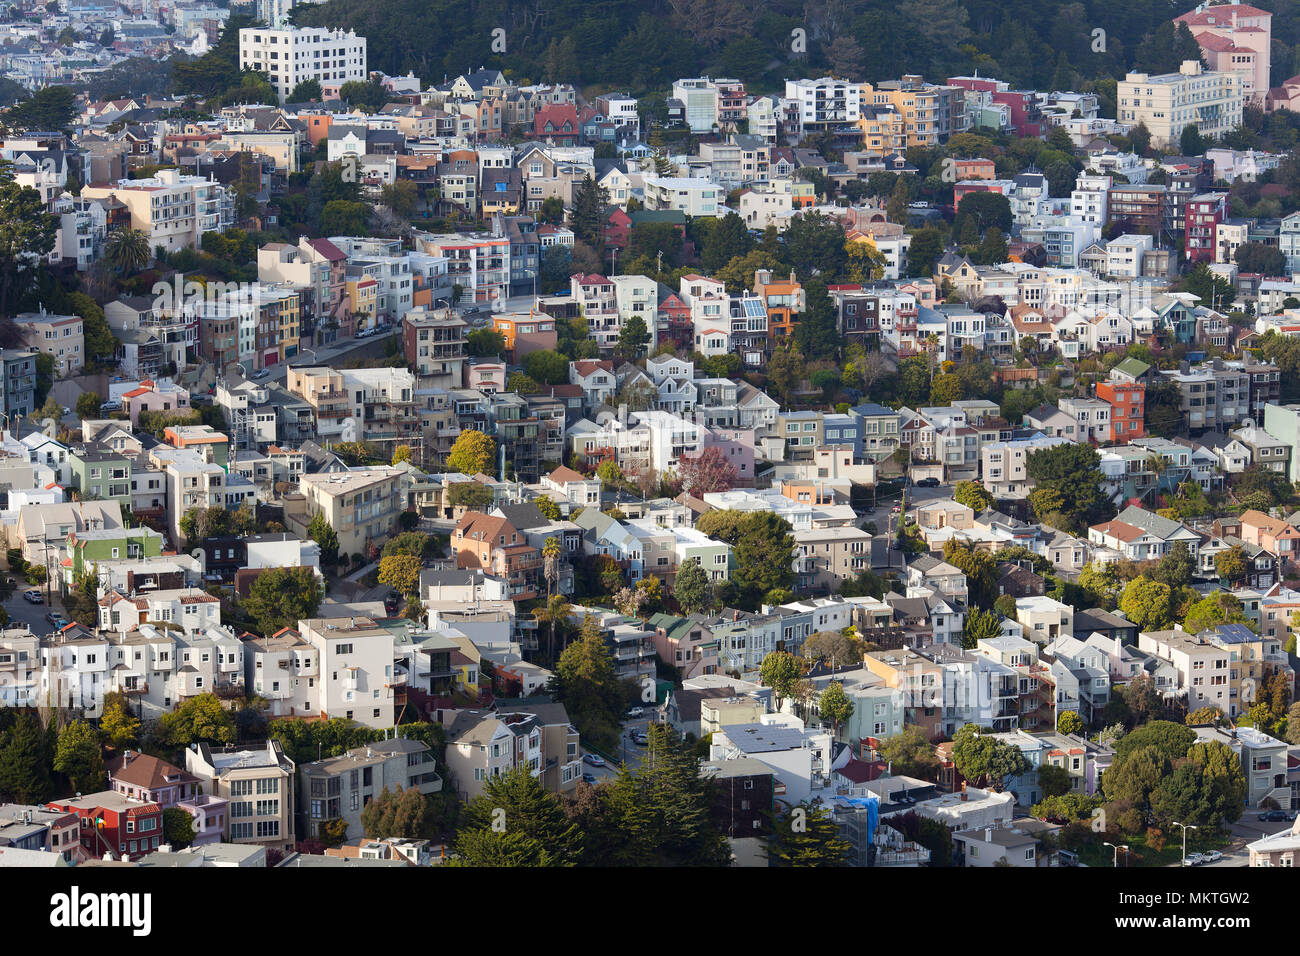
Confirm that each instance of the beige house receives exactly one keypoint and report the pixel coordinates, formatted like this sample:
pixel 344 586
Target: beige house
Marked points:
pixel 1280 849
pixel 1044 619
pixel 338 788
pixel 482 745
pixel 1170 102
pixel 717 713
pixel 1204 668
pixel 361 505
pixel 824 557
pixel 174 210
pixel 259 786
pixel 59 336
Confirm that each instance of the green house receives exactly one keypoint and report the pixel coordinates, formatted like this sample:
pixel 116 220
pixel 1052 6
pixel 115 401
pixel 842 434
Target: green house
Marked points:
pixel 88 548
pixel 101 473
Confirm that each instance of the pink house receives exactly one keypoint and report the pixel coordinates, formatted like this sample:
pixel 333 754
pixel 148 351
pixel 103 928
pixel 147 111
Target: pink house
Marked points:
pixel 737 444
pixel 149 396
pixel 210 814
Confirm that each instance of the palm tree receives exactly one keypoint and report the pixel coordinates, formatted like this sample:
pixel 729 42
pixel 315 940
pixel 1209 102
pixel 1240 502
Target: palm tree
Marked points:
pixel 555 611
pixel 551 552
pixel 128 250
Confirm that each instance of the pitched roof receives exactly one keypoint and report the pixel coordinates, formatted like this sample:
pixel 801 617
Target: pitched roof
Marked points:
pixel 145 771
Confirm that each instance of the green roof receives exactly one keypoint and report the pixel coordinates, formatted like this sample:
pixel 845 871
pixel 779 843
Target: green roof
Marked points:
pixel 658 215
pixel 1132 367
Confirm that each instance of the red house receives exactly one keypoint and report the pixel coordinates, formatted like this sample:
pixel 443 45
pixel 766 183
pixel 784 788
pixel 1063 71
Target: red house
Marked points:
pixel 114 823
pixel 1127 408
pixel 618 227
pixel 1204 214
pixel 557 124
pixel 675 319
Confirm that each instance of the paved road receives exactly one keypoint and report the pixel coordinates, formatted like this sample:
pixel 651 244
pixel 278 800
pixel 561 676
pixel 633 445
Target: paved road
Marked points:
pixel 31 615
pixel 628 750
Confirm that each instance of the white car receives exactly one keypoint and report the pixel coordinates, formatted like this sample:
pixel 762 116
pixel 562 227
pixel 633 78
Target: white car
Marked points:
pixel 1193 859
pixel 1211 856
pixel 636 712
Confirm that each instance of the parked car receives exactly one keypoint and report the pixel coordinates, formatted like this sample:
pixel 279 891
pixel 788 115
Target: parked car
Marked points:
pixel 928 483
pixel 1193 859
pixel 1274 816
pixel 593 761
pixel 262 373
pixel 588 778
pixel 52 616
pixel 392 602
pixel 641 739
pixel 1212 856
pixel 113 406
pixel 636 712
pixel 33 596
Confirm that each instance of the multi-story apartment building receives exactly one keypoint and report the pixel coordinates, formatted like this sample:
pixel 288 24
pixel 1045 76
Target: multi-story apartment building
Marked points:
pixel 17 382
pixel 1127 408
pixel 338 788
pixel 478 262
pixel 826 557
pixel 1237 38
pixel 59 336
pixel 1215 396
pixel 434 344
pixel 112 823
pixel 692 196
pixel 824 104
pixel 355 658
pixel 1169 102
pixel 1204 214
pixel 174 210
pixel 259 785
pixel 482 745
pixel 1203 667
pixel 291 55
pixel 361 505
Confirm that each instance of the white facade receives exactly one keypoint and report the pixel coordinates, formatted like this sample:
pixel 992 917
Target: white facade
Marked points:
pixel 290 56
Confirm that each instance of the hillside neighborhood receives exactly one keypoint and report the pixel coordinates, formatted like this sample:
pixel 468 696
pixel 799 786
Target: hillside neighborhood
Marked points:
pixel 433 471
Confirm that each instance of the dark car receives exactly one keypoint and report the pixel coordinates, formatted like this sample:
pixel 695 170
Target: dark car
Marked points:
pixel 928 483
pixel 1274 816
pixel 392 602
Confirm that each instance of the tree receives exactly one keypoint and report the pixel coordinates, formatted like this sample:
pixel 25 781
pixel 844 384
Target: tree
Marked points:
pixel 1191 142
pixel 369 95
pixel 924 252
pixel 472 453
pixel 780 670
pixel 632 339
pixel 1209 789
pixel 980 568
pixel 807 836
pixel 79 758
pixel 401 572
pixel 864 262
pixel 1293 724
pixel 1163 412
pixel 281 597
pixel 546 367
pixel 178 828
pixel 1074 471
pixel 587 215
pixel 118 727
pixel 1136 777
pixel 515 818
pixel 1213 610
pixel 88 405
pixel 1214 291
pixel 25 760
pixel 1259 258
pixel 305 92
pixel 401 453
pixel 27 234
pixel 200 719
pixel 1204 716
pixel 1231 564
pixel 1146 604
pixel 910 753
pixel 973 495
pixel 1069 723
pixel 834 705
pixel 485 342
pixel 1170 739
pixel 1054 780
pixel 980 626
pixel 586 683
pixel 547 506
pixel 708 471
pixel 833 647
pixel 978 756
pixel 691 587
pixel 987 210
pixel 552 210
pixel 51 108
pixel 320 531
pixel 127 250
pixel 763 557
pixel 1175 568
pixel 401 813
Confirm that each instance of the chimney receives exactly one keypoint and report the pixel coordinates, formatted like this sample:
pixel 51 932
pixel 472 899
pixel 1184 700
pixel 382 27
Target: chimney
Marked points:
pixel 963 791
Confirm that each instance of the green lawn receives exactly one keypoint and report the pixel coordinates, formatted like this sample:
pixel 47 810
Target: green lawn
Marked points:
pixel 1171 854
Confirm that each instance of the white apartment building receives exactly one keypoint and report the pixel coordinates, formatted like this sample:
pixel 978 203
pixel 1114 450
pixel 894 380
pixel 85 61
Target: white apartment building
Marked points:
pixel 291 55
pixel 689 195
pixel 355 658
pixel 1169 102
pixel 825 102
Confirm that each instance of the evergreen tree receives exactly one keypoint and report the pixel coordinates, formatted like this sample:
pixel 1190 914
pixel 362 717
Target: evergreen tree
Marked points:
pixel 587 216
pixel 79 757
pixel 517 804
pixel 807 836
pixel 25 761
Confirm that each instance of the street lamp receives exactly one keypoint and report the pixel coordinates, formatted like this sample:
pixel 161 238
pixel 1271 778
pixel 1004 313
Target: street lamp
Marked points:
pixel 1123 846
pixel 1185 827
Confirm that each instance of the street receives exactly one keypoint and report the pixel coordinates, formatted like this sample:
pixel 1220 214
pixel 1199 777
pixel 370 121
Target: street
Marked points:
pixel 629 751
pixel 30 615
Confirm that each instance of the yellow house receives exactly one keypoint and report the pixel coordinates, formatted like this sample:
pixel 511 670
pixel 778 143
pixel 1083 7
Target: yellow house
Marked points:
pixel 363 299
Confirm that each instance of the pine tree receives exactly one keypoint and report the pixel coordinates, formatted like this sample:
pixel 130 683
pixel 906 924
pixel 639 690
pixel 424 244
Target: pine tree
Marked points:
pixel 517 802
pixel 807 836
pixel 25 761
pixel 588 213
